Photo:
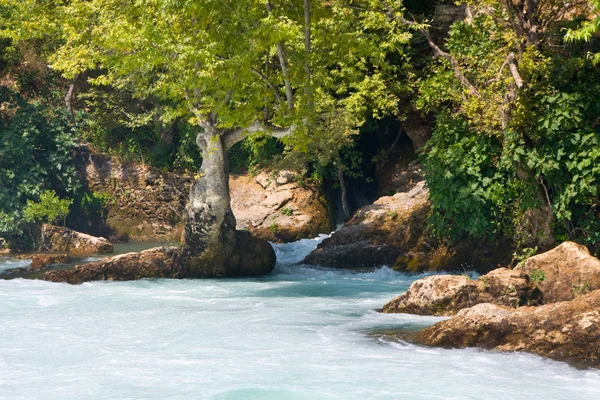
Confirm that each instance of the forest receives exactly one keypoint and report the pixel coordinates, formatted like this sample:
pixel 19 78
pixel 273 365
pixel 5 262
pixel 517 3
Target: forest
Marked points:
pixel 299 199
pixel 507 94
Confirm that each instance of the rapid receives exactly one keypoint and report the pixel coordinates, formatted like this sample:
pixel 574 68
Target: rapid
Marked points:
pixel 300 333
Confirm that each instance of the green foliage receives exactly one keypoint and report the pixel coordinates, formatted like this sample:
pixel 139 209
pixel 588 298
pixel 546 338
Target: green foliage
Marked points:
pixel 587 30
pixel 504 150
pixel 35 155
pixel 273 228
pixel 49 208
pixel 580 290
pixel 523 254
pixel 472 193
pixel 537 276
pixel 92 201
pixel 287 211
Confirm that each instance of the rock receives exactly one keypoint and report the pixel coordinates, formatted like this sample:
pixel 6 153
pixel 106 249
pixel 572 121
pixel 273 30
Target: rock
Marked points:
pixel 377 234
pixel 400 171
pixel 565 331
pixel 418 129
pixel 392 231
pixel 60 239
pixel 568 271
pixel 278 210
pixel 255 257
pixel 39 261
pixel 448 294
pixel 146 204
pixel 153 263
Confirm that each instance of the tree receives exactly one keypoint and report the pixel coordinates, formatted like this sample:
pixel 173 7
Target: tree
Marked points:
pixel 588 29
pixel 227 66
pixel 511 110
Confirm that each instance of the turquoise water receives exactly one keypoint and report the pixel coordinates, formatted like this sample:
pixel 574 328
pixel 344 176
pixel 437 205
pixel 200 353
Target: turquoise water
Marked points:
pixel 301 333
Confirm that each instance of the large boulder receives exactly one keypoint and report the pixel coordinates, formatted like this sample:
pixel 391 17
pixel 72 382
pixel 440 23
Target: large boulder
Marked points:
pixel 566 331
pixel 58 239
pixel 377 234
pixel 392 231
pixel 561 274
pixel 277 208
pixel 565 272
pixel 448 294
pixel 254 257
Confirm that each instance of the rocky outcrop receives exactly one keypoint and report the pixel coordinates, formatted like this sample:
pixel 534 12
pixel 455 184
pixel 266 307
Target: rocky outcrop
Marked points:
pixel 58 239
pixel 565 331
pixel 153 263
pixel 448 294
pixel 377 234
pixel 564 273
pixel 136 202
pixel 255 257
pixel 142 203
pixel 399 172
pixel 277 208
pixel 392 231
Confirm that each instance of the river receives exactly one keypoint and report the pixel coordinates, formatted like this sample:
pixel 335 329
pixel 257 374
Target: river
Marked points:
pixel 300 333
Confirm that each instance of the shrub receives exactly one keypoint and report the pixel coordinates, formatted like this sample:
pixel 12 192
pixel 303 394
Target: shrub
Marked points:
pixel 50 208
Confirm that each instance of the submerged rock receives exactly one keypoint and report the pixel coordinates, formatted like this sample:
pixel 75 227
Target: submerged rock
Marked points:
pixel 254 257
pixel 392 231
pixel 59 239
pixel 565 331
pixel 448 294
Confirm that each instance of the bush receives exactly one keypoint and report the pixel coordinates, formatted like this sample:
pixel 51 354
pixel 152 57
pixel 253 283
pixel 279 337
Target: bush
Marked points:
pixel 35 156
pixel 49 209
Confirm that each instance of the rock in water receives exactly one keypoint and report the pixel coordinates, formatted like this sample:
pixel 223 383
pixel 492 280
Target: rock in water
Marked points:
pixel 153 263
pixel 255 257
pixel 59 239
pixel 39 261
pixel 392 232
pixel 565 331
pixel 448 294
pixel 561 274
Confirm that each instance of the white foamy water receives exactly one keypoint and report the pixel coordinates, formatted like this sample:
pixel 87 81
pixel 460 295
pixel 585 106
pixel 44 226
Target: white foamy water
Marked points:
pixel 301 333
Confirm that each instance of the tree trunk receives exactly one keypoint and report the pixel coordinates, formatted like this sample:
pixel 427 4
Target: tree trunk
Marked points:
pixel 307 49
pixel 210 225
pixel 213 248
pixel 69 97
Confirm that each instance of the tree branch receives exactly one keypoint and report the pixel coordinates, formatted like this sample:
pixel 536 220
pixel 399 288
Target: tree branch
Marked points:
pixel 237 135
pixel 289 93
pixel 269 83
pixel 203 121
pixel 453 62
pixel 514 70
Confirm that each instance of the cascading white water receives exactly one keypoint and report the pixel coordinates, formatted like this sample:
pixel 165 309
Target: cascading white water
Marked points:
pixel 301 333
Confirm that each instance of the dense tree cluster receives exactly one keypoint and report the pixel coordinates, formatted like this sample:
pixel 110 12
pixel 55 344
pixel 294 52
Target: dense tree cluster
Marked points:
pixel 511 87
